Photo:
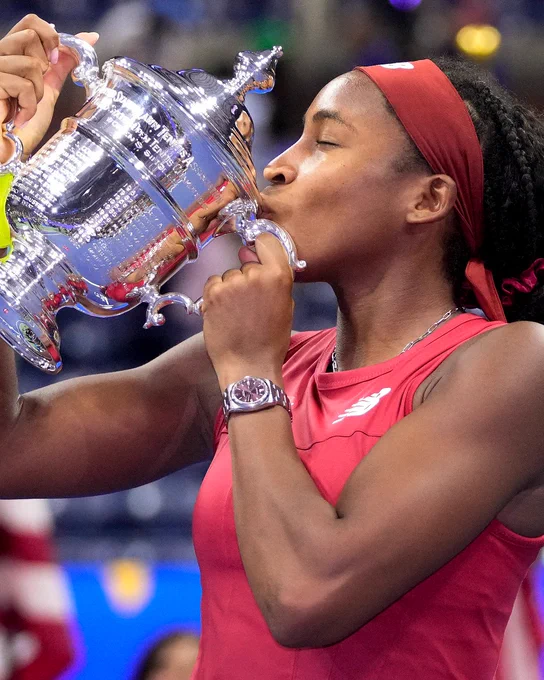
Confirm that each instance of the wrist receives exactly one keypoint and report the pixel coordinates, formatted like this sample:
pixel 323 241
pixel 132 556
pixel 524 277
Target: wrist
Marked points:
pixel 251 394
pixel 232 374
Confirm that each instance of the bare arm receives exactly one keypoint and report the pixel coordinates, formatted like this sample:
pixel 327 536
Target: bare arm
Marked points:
pixel 431 484
pixel 108 432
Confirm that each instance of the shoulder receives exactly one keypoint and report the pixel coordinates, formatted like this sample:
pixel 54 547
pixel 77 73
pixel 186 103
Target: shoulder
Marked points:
pixel 493 389
pixel 513 350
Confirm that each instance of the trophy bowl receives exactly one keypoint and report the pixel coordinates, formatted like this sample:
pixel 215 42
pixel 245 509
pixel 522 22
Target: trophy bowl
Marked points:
pixel 154 166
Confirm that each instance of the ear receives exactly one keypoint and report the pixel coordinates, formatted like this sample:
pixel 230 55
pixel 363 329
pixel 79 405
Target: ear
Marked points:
pixel 434 201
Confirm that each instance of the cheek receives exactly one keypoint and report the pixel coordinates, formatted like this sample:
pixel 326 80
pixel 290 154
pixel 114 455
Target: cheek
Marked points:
pixel 342 196
pixel 344 221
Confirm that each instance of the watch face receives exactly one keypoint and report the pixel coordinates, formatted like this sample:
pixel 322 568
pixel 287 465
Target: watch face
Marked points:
pixel 250 391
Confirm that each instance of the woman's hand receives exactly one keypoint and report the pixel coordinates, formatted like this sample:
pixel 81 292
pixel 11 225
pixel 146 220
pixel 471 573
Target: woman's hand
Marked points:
pixel 33 67
pixel 248 314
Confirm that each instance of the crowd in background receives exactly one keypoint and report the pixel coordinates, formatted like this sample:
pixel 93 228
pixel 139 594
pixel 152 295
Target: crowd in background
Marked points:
pixel 321 38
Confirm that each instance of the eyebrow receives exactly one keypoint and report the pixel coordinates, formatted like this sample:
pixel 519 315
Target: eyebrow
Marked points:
pixel 328 114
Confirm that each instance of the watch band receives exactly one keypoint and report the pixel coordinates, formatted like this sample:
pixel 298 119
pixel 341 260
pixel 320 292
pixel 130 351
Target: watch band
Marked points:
pixel 266 395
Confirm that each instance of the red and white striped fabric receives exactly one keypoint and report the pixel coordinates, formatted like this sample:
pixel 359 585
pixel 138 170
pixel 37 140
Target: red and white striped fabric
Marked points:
pixel 523 639
pixel 35 605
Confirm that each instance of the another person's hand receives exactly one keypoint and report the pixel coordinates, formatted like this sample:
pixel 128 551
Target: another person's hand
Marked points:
pixel 33 67
pixel 248 313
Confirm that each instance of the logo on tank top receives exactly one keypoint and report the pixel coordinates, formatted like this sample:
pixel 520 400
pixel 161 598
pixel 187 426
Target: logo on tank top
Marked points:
pixel 363 406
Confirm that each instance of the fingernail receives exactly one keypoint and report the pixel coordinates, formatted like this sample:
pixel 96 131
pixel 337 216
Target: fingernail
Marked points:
pixel 54 57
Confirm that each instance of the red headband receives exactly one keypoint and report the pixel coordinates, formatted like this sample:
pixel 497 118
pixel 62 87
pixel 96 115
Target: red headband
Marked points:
pixel 436 118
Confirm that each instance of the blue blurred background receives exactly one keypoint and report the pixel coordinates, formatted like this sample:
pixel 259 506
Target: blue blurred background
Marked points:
pixel 143 536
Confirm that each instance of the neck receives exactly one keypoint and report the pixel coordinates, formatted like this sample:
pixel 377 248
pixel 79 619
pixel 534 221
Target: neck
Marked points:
pixel 375 325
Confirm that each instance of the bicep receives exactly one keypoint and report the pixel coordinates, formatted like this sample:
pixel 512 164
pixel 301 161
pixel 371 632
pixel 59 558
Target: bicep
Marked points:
pixel 108 432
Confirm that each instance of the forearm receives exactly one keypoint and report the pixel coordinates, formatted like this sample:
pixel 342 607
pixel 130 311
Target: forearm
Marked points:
pixel 282 521
pixel 109 432
pixel 9 393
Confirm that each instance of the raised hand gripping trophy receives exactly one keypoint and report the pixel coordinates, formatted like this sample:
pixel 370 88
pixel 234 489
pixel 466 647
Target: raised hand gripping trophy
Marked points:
pixel 153 167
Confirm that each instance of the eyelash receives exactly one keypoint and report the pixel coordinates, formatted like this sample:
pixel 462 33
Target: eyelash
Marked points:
pixel 322 142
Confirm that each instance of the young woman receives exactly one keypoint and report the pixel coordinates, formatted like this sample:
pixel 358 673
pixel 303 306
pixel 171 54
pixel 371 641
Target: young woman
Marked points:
pixel 375 521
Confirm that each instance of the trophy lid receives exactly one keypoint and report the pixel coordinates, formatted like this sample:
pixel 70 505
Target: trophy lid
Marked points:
pixel 221 103
pixel 212 104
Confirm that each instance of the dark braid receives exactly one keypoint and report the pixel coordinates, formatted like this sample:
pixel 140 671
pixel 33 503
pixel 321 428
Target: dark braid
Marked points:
pixel 512 140
pixel 509 124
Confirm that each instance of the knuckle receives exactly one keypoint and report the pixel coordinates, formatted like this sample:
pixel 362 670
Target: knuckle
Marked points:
pixel 252 272
pixel 30 35
pixel 280 277
pixel 213 294
pixel 210 285
pixel 231 274
pixel 34 64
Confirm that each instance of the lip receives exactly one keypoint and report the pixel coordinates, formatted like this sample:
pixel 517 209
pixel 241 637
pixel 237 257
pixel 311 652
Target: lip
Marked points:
pixel 265 211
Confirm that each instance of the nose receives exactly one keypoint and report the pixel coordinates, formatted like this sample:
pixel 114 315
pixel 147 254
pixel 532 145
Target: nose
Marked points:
pixel 280 170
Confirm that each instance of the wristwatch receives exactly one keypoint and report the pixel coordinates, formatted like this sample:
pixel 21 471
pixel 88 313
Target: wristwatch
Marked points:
pixel 253 394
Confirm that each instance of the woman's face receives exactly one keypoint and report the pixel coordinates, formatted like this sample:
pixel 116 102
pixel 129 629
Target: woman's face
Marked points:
pixel 336 190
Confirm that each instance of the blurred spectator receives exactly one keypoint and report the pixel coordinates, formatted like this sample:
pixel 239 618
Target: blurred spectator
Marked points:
pixel 523 639
pixel 172 657
pixel 35 641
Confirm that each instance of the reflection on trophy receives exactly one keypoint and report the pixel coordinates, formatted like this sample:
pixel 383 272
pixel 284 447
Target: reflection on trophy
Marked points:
pixel 153 167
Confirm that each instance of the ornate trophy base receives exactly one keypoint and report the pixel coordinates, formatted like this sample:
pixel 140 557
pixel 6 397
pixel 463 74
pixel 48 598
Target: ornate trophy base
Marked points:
pixel 28 303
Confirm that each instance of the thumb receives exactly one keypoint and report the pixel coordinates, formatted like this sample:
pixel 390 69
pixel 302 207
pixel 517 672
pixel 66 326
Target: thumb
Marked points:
pixel 271 252
pixel 91 38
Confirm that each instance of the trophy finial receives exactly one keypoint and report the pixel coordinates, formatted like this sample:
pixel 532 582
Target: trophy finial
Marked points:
pixel 254 71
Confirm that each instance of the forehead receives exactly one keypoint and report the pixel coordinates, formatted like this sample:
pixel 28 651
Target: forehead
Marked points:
pixel 355 97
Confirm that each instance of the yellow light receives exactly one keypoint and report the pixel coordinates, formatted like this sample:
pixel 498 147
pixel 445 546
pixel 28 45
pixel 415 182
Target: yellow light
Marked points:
pixel 129 586
pixel 480 41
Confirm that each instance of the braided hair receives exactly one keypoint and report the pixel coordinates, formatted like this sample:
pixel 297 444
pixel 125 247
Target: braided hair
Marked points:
pixel 512 141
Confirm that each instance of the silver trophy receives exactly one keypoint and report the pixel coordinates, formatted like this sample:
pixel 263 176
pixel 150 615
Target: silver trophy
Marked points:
pixel 154 166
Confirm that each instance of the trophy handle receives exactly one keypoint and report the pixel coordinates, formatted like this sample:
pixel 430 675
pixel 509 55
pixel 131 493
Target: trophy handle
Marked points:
pixel 12 165
pixel 248 230
pixel 156 302
pixel 85 74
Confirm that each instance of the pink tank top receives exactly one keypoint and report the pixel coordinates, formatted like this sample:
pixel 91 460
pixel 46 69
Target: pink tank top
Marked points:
pixel 450 626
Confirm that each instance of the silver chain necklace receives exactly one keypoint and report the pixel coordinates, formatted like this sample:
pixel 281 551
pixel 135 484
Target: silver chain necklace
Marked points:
pixel 445 317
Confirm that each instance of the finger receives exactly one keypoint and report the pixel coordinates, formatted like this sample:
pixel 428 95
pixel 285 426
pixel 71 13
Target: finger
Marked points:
pixel 28 68
pixel 213 280
pixel 246 255
pixel 22 90
pixel 46 33
pixel 231 274
pixel 26 43
pixel 247 266
pixel 91 38
pixel 271 253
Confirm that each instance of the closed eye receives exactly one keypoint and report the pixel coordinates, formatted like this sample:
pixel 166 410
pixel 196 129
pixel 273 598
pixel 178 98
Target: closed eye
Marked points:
pixel 324 142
